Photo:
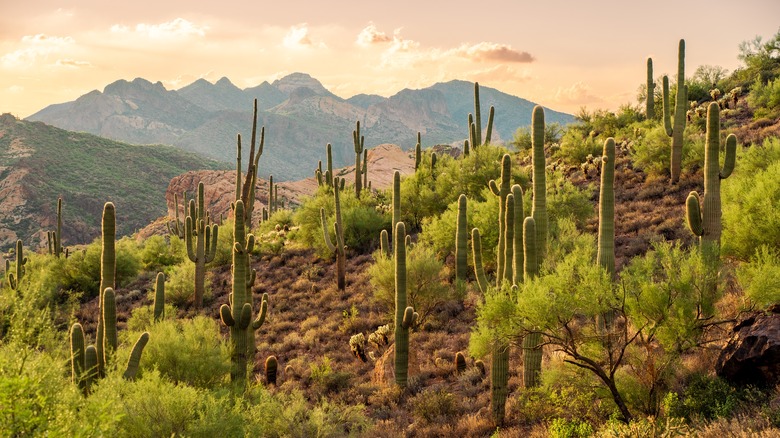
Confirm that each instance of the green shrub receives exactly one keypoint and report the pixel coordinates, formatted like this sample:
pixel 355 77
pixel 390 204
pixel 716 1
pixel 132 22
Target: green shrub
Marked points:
pixel 708 398
pixel 651 154
pixel 750 214
pixel 158 254
pixel 82 268
pixel 189 351
pixel 224 255
pixel 764 99
pixel 564 199
pixel 760 278
pixel 424 283
pixel 180 285
pixel 562 428
pixel 435 406
pixel 575 149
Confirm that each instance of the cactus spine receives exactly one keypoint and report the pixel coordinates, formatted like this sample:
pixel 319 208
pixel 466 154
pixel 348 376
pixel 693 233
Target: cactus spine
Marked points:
pixel 358 141
pixel 461 235
pixel 706 222
pixel 539 210
pixel 205 245
pixel 405 316
pixel 15 279
pixel 606 250
pixel 159 297
pixel 680 108
pixel 238 316
pixel 337 246
pixel 501 190
pixel 532 349
pixel 650 102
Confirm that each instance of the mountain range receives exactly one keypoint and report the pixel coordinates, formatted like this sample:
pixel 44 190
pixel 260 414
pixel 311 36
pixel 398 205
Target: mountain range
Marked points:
pixel 299 114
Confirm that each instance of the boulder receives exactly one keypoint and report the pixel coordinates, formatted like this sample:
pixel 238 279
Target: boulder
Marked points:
pixel 384 368
pixel 752 355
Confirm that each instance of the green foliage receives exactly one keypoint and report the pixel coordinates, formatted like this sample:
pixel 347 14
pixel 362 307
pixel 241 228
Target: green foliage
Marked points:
pixel 565 200
pixel 650 152
pixel 750 215
pixel 188 351
pixel 82 268
pixel 180 285
pixel 425 285
pixel 157 254
pixel 435 406
pixel 562 428
pixel 708 398
pixel 224 253
pixel 575 148
pixel 553 133
pixel 760 277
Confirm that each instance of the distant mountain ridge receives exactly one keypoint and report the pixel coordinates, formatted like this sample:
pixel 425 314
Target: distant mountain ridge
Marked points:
pixel 299 114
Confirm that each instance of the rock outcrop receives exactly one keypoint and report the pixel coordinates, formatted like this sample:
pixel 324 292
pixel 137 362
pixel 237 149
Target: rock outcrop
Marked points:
pixel 752 355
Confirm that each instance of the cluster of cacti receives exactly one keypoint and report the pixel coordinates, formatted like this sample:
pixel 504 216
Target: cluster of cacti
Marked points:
pixel 680 109
pixel 238 315
pixel 177 229
pixel 54 238
pixel 475 124
pixel 705 221
pixel 358 141
pixel 336 246
pixel 650 100
pixel 405 316
pixel 204 248
pixel 15 278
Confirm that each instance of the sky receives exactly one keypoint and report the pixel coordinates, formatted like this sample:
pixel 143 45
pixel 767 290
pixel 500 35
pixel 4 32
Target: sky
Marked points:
pixel 564 55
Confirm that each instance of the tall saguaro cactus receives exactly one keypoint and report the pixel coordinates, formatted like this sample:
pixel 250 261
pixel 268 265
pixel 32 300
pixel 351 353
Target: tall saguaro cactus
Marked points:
pixel 358 141
pixel 461 237
pixel 680 108
pixel 77 356
pixel 55 237
pixel 517 241
pixel 417 153
pixel 539 210
pixel 501 189
pixel 177 229
pixel 15 278
pixel 159 297
pixel 238 316
pixel 706 222
pixel 107 277
pixel 606 251
pixel 650 102
pixel 475 126
pixel 204 248
pixel 532 349
pixel 336 246
pixel 405 316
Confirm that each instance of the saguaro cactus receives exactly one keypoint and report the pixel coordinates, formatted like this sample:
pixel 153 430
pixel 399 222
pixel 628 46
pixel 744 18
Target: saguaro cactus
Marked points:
pixel 271 366
pixel 405 316
pixel 77 356
pixel 650 101
pixel 135 357
pixel 501 189
pixel 680 108
pixel 107 277
pixel 706 222
pixel 499 381
pixel 55 237
pixel 532 350
pixel 177 229
pixel 539 210
pixel 238 316
pixel 517 241
pixel 15 278
pixel 109 323
pixel 358 141
pixel 337 246
pixel 476 138
pixel 159 297
pixel 417 152
pixel 606 251
pixel 205 245
pixel 461 236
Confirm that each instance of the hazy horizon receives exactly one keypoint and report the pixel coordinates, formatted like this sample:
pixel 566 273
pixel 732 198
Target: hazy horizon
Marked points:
pixel 561 55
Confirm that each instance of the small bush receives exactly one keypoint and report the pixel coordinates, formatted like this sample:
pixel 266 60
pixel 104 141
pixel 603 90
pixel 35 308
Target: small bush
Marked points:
pixel 562 428
pixel 157 254
pixel 435 406
pixel 760 278
pixel 82 268
pixel 180 285
pixel 707 398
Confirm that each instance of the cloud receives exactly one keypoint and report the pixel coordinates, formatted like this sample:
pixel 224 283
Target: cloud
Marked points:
pixel 298 37
pixel 371 35
pixel 33 48
pixel 15 89
pixel 576 94
pixel 486 51
pixel 500 73
pixel 176 28
pixel 72 63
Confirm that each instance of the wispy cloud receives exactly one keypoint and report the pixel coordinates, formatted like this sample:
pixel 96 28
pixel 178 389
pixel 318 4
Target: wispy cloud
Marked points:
pixel 486 51
pixel 299 37
pixel 35 47
pixel 578 93
pixel 72 63
pixel 371 35
pixel 176 28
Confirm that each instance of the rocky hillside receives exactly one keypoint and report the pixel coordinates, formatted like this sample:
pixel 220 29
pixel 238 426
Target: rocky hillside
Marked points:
pixel 39 163
pixel 300 115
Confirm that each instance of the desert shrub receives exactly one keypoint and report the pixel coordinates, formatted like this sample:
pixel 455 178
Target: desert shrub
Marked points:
pixel 224 255
pixel 36 396
pixel 522 141
pixel 760 278
pixel 82 268
pixel 282 218
pixel 189 351
pixel 575 148
pixel 435 406
pixel 155 406
pixel 158 254
pixel 750 215
pixel 651 150
pixel 439 231
pixel 764 99
pixel 564 199
pixel 562 428
pixel 142 317
pixel 709 398
pixel 425 288
pixel 325 378
pixel 180 284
